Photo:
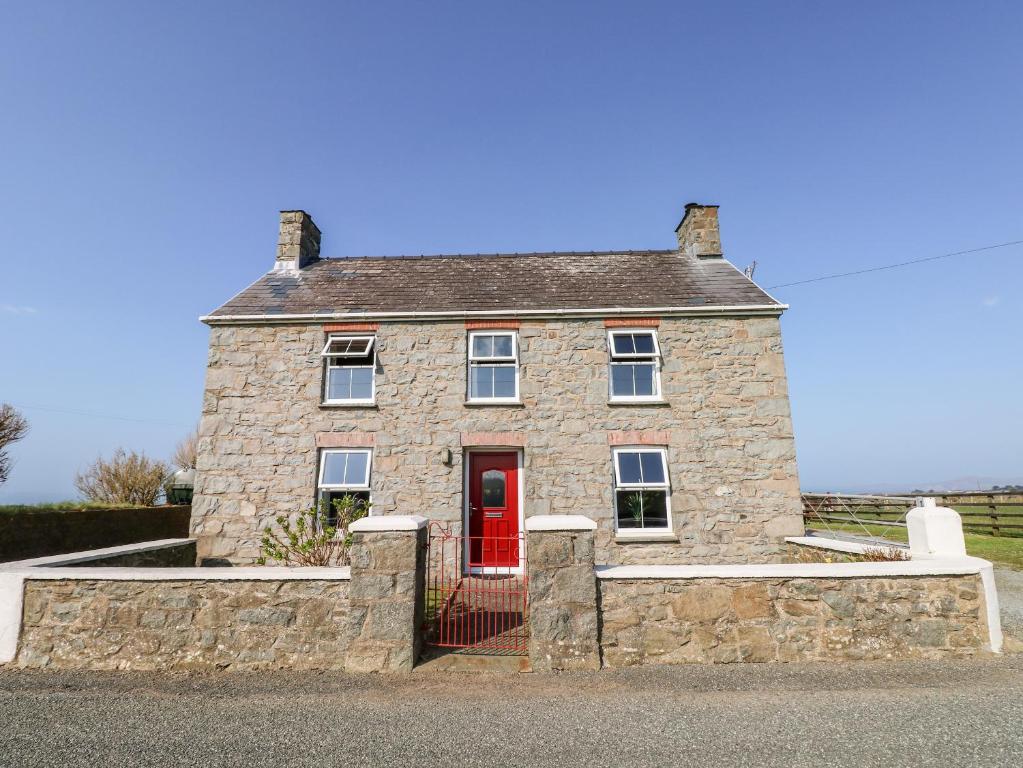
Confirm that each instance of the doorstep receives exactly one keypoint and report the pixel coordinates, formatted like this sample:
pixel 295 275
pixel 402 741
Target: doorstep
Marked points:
pixel 471 662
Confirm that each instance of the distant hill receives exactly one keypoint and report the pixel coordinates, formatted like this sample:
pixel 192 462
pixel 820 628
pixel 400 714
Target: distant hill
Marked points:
pixel 958 484
pixel 1011 484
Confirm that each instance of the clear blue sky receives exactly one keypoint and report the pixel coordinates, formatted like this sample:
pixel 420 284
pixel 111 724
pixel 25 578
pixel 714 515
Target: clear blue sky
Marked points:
pixel 145 149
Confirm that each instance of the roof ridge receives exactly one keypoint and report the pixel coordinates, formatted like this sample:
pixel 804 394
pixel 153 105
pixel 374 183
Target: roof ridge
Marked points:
pixel 619 252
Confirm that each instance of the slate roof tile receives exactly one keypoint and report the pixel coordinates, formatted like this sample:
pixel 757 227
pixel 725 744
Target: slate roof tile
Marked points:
pixel 467 283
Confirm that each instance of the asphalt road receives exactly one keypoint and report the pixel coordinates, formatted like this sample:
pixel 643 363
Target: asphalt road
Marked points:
pixel 904 714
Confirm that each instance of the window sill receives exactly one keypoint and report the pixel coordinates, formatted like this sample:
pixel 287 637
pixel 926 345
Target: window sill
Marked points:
pixel 492 403
pixel 646 537
pixel 348 405
pixel 655 403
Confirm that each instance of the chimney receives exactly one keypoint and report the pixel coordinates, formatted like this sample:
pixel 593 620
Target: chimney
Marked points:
pixel 698 233
pixel 298 242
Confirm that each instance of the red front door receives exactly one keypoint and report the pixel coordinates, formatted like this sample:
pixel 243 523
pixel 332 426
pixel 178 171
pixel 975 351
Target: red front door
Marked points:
pixel 493 510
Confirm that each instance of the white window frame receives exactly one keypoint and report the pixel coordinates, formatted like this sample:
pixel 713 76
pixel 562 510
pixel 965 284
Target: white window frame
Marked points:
pixel 365 487
pixel 327 356
pixel 631 358
pixel 618 485
pixel 494 360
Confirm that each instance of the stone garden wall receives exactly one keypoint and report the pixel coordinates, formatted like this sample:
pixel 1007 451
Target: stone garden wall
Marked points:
pixel 192 624
pixel 725 421
pixel 369 617
pixel 366 618
pixel 683 621
pixel 563 618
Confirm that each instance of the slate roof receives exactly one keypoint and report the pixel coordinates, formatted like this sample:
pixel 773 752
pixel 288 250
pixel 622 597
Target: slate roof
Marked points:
pixel 495 282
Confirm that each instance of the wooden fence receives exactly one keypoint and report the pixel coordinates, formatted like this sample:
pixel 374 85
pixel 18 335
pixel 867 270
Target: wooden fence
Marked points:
pixel 989 512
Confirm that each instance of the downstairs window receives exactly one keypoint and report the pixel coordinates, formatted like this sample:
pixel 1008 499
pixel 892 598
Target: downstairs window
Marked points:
pixel 642 490
pixel 343 472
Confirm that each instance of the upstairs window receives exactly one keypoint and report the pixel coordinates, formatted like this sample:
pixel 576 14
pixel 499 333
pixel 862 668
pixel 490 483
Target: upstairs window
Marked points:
pixel 493 367
pixel 343 473
pixel 350 367
pixel 635 365
pixel 642 490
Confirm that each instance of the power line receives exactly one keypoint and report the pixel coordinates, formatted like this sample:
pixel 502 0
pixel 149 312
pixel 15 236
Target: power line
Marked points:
pixel 894 266
pixel 29 406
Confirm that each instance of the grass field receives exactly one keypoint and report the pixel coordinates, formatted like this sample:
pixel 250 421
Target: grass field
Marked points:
pixel 1005 550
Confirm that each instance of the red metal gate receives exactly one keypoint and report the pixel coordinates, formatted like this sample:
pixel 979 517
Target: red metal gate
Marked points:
pixel 471 605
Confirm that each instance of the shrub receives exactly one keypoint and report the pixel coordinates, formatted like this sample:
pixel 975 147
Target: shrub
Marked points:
pixel 884 554
pixel 187 451
pixel 314 538
pixel 127 478
pixel 13 427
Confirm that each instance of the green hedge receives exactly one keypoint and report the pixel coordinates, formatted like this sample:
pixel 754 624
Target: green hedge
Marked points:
pixel 37 532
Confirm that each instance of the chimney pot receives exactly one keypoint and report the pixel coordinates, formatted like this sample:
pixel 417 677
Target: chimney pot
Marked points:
pixel 298 243
pixel 698 232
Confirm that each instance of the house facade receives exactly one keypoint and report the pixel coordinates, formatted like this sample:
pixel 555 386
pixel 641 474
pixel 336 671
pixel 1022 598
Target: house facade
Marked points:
pixel 644 390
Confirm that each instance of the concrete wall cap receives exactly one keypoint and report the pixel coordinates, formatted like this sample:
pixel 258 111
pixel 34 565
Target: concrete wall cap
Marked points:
pixel 560 523
pixel 72 558
pixel 840 545
pixel 379 523
pixel 944 567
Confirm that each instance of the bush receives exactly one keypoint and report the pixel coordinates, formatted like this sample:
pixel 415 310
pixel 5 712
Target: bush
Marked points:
pixel 127 478
pixel 885 554
pixel 314 539
pixel 187 451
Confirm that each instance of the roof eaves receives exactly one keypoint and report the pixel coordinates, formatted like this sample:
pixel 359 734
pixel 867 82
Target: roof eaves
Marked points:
pixel 690 311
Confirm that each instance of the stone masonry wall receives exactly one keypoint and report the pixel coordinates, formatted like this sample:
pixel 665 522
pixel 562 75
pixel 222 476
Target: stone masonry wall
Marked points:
pixel 562 601
pixel 718 620
pixel 388 575
pixel 166 625
pixel 735 492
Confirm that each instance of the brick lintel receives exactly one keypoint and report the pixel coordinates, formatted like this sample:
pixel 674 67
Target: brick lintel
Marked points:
pixel 478 439
pixel 507 325
pixel 345 439
pixel 350 327
pixel 639 437
pixel 632 322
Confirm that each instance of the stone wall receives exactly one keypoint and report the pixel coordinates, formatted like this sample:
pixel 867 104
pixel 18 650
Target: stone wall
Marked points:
pixel 681 621
pixel 173 625
pixel 562 600
pixel 388 575
pixel 730 446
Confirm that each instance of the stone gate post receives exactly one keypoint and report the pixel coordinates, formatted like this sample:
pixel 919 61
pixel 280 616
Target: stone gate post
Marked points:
pixel 562 593
pixel 388 581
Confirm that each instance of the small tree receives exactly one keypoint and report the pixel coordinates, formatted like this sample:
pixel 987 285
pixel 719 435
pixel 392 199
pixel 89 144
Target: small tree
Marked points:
pixel 314 538
pixel 187 451
pixel 13 427
pixel 127 478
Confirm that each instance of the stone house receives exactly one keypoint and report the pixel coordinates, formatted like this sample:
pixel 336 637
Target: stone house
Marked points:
pixel 644 390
